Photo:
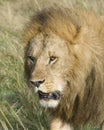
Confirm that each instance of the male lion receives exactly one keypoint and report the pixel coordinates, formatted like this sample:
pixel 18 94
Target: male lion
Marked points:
pixel 64 62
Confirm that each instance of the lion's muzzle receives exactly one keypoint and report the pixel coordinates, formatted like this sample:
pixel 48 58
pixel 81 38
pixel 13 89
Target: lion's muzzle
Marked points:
pixel 47 96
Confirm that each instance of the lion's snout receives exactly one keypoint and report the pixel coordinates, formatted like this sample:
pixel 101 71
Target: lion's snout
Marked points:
pixel 52 94
pixel 37 83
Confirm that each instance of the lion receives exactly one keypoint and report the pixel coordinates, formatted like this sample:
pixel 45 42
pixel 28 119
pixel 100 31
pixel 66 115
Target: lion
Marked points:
pixel 64 63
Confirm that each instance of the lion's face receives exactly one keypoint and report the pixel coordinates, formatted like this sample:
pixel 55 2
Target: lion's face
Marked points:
pixel 47 61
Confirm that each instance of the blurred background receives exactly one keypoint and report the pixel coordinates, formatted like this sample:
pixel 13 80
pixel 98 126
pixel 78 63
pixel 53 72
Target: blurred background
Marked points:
pixel 19 109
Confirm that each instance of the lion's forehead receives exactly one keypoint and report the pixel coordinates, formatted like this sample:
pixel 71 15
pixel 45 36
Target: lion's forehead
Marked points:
pixel 55 40
pixel 46 43
pixel 36 44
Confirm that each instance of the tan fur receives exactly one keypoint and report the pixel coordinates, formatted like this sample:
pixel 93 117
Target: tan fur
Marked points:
pixel 57 124
pixel 77 39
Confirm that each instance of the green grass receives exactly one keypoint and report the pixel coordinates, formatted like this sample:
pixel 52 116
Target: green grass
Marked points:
pixel 19 109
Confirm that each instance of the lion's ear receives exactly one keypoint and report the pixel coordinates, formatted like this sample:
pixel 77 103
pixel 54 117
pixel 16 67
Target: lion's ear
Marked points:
pixel 81 34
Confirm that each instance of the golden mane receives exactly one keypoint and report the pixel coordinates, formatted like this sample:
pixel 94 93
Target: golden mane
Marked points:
pixel 64 22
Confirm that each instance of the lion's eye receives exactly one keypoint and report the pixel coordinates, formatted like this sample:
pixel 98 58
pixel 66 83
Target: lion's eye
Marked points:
pixel 52 59
pixel 31 58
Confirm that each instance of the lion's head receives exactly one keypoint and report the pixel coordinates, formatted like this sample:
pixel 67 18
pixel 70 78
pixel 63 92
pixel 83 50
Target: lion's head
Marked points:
pixel 48 59
pixel 62 60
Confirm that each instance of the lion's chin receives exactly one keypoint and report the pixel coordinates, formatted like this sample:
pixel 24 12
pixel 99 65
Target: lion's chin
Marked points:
pixel 49 103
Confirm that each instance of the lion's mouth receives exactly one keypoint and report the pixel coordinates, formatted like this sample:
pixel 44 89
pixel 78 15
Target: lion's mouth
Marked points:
pixel 47 96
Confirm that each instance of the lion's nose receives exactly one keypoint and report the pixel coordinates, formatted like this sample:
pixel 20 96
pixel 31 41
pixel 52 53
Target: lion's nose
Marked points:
pixel 37 83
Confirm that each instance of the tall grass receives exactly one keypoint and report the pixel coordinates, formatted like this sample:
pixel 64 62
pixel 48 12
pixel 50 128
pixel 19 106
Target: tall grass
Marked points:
pixel 19 109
